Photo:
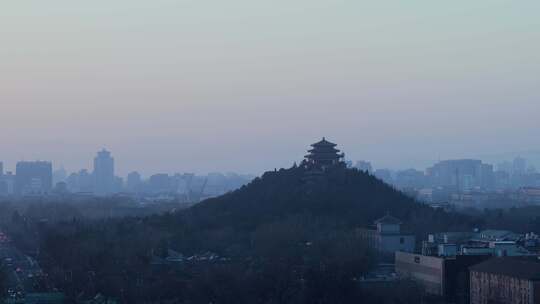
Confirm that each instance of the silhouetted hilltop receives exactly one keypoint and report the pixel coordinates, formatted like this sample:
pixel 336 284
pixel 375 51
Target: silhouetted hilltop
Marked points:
pixel 320 189
pixel 348 196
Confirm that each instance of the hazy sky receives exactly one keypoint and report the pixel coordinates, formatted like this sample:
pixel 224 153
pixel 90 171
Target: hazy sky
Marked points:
pixel 247 85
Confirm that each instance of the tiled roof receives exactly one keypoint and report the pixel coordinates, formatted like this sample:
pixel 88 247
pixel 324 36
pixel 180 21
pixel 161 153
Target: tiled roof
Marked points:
pixel 324 143
pixel 388 219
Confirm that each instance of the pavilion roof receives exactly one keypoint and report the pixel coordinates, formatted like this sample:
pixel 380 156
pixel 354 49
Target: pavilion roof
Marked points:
pixel 323 143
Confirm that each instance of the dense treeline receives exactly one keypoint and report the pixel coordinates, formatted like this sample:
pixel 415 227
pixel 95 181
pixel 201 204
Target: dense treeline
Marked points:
pixel 60 208
pixel 281 239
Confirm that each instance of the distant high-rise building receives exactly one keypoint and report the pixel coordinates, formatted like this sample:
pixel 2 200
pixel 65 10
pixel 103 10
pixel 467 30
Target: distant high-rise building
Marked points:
pixel 186 182
pixel 3 187
pixel 86 181
pixel 80 182
pixel 487 177
pixel 502 180
pixel 103 173
pixel 410 179
pixel 134 182
pixel 462 174
pixel 33 178
pixel 7 183
pixel 505 166
pixel 182 182
pixel 118 184
pixel 59 176
pixel 519 166
pixel 160 183
pixel 72 182
pixel 3 183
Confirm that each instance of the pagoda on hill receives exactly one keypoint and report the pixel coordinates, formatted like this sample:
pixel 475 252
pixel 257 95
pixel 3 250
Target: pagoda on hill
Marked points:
pixel 324 155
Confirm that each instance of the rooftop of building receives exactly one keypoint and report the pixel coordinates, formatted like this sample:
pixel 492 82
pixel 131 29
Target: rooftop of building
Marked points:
pixel 487 235
pixel 374 231
pixel 497 235
pixel 323 143
pixel 324 154
pixel 519 267
pixel 388 219
pixel 453 236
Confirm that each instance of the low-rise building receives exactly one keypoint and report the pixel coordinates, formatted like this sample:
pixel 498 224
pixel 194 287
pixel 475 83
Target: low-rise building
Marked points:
pixel 485 242
pixel 443 276
pixel 388 237
pixel 496 235
pixel 505 280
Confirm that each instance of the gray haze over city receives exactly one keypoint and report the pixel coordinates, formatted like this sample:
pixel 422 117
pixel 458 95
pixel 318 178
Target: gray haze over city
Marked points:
pixel 195 86
pixel 257 152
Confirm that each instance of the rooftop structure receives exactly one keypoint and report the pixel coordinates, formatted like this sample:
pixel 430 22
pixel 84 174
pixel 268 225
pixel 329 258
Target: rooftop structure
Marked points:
pixel 497 235
pixel 388 237
pixel 324 154
pixel 388 219
pixel 485 242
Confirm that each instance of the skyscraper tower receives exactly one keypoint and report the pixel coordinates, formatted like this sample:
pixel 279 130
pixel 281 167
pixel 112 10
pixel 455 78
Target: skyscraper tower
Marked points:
pixel 134 182
pixel 103 173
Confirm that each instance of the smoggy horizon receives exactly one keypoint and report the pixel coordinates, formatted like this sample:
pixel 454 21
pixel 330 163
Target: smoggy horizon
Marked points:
pixel 532 158
pixel 192 86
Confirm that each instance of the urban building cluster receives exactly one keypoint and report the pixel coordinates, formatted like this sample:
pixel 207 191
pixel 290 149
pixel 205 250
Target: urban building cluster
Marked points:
pixel 466 182
pixel 37 178
pixel 477 267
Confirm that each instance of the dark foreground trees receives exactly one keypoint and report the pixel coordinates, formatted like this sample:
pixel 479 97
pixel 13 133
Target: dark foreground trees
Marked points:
pixel 3 282
pixel 281 239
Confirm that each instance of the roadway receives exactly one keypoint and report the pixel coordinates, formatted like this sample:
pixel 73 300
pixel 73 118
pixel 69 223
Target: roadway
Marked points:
pixel 23 273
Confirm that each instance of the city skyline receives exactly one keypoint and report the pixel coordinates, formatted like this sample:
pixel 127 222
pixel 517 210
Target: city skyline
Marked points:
pixel 444 180
pixel 532 157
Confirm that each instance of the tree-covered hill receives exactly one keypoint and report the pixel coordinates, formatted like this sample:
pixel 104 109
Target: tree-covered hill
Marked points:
pixel 351 197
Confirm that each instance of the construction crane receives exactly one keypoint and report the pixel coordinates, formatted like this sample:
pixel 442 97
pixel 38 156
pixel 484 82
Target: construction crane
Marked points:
pixel 201 193
pixel 197 196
